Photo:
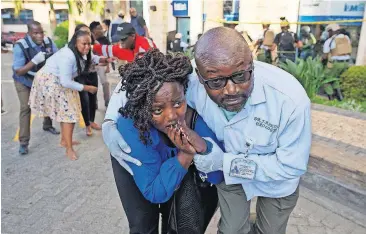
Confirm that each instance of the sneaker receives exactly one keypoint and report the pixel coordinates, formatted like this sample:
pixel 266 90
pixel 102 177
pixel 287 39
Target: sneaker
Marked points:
pixel 23 149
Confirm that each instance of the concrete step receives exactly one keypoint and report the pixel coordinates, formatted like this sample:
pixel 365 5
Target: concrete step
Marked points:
pixel 337 171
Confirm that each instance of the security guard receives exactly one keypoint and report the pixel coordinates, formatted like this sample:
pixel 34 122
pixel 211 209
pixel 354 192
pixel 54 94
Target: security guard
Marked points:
pixel 29 55
pixel 261 114
pixel 337 49
pixel 308 41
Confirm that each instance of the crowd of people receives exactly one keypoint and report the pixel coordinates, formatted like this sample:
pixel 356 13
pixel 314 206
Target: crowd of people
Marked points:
pixel 273 48
pixel 185 137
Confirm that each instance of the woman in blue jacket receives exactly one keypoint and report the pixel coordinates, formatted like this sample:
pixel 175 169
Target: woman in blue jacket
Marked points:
pixel 154 123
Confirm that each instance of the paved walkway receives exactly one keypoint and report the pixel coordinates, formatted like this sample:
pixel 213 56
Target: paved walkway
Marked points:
pixel 44 192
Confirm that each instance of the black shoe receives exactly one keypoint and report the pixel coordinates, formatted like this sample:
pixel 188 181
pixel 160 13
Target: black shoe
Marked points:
pixel 52 130
pixel 23 149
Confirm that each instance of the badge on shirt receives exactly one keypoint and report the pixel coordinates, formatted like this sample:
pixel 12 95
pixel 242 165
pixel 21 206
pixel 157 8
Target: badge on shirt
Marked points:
pixel 243 168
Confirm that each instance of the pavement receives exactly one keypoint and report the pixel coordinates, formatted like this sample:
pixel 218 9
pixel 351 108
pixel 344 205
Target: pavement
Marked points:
pixel 44 192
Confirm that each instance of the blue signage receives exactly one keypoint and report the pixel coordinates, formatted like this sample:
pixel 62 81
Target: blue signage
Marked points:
pixel 180 8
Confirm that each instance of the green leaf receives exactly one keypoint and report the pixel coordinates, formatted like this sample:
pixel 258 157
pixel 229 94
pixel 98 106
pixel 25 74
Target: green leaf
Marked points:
pixel 328 89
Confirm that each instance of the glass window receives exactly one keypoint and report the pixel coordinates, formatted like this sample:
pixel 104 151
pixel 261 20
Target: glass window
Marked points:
pixel 231 10
pixel 61 15
pixel 24 16
pixel 138 4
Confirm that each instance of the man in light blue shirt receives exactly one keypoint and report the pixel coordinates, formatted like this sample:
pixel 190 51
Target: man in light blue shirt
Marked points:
pixel 29 55
pixel 261 114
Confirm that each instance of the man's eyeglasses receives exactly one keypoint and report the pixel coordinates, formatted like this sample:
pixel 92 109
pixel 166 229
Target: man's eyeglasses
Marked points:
pixel 238 77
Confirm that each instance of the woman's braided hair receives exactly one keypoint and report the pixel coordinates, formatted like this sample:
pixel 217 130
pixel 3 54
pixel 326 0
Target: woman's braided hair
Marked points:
pixel 143 78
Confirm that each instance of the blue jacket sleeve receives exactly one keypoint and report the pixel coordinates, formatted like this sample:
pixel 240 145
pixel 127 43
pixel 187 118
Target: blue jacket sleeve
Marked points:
pixel 156 179
pixel 203 130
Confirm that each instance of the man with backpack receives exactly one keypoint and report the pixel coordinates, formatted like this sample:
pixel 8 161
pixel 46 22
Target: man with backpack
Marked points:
pixel 337 49
pixel 286 42
pixel 29 56
pixel 265 42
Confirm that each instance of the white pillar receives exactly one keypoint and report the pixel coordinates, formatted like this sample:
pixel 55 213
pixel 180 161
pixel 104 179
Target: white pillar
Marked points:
pixel 159 23
pixel 214 9
pixel 361 52
pixel 195 12
pixel 146 12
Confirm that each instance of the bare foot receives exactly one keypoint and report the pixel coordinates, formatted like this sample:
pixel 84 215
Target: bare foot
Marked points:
pixel 71 154
pixel 95 126
pixel 63 143
pixel 88 130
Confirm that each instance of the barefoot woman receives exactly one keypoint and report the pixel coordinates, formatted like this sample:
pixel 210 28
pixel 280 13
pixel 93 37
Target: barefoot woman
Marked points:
pixel 55 93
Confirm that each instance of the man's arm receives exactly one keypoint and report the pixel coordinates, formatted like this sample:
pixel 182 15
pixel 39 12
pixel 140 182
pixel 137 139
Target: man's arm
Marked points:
pixel 118 100
pixel 290 159
pixel 19 65
pixel 114 51
pixel 326 49
pixel 142 23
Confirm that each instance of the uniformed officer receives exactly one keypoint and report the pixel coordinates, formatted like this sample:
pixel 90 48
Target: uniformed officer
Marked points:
pixel 286 41
pixel 265 42
pixel 337 49
pixel 29 55
pixel 308 41
pixel 262 115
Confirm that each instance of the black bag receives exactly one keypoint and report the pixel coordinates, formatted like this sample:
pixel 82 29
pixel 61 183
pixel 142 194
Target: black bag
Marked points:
pixel 193 204
pixel 187 211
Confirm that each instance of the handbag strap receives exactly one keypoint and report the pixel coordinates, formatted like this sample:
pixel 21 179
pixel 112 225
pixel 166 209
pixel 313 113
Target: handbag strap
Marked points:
pixel 194 119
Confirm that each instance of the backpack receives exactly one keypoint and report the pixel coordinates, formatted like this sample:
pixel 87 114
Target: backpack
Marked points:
pixel 287 40
pixel 268 37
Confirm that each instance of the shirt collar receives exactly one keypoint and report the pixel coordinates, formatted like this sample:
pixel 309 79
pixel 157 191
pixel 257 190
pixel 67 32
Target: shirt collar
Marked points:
pixel 258 95
pixel 32 43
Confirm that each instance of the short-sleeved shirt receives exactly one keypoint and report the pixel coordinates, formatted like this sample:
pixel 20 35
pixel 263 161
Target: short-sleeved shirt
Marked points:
pixel 139 23
pixel 19 59
pixel 277 39
pixel 330 45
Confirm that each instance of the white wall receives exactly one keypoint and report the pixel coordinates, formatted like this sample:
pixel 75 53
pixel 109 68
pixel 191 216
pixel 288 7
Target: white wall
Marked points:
pixel 159 23
pixel 361 53
pixel 214 10
pixel 195 11
pixel 267 10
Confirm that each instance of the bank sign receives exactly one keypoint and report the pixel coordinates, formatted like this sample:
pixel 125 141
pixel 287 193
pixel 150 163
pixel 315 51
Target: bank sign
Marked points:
pixel 329 10
pixel 180 8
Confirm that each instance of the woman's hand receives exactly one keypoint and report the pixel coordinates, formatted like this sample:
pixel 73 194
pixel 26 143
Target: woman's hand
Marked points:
pixel 197 142
pixel 180 140
pixel 91 89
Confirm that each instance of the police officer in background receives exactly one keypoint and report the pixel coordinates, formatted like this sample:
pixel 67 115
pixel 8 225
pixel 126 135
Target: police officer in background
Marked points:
pixel 337 49
pixel 29 56
pixel 308 41
pixel 265 42
pixel 286 42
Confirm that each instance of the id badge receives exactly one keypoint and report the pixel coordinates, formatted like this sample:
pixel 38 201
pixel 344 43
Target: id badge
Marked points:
pixel 243 168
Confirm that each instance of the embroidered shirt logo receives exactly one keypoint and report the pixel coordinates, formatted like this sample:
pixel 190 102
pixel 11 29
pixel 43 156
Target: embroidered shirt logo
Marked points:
pixel 265 124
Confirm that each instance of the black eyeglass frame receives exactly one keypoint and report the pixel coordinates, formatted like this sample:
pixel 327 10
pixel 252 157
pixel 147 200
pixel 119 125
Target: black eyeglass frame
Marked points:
pixel 250 70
